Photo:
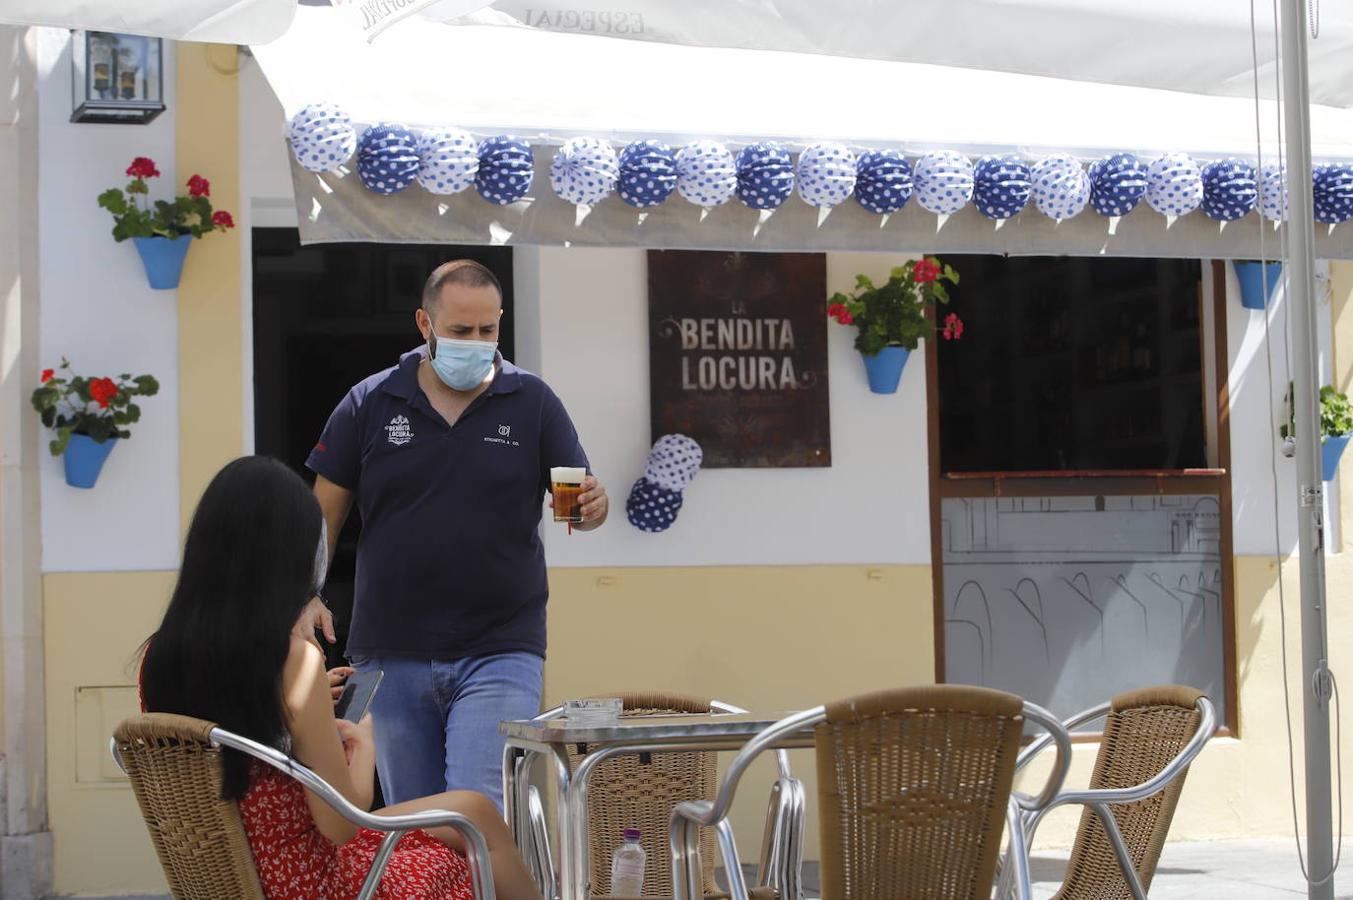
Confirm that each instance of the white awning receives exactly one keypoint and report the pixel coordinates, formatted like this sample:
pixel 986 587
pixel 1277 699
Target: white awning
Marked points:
pixel 213 21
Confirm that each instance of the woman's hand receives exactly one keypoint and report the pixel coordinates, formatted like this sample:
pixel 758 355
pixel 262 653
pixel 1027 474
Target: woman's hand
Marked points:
pixel 337 676
pixel 359 740
pixel 315 615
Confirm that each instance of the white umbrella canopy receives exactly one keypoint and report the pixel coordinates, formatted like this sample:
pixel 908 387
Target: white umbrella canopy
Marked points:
pixel 213 21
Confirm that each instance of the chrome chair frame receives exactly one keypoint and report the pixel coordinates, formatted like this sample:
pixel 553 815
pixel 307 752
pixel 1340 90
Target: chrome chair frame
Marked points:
pixel 689 816
pixel 1101 799
pixel 476 848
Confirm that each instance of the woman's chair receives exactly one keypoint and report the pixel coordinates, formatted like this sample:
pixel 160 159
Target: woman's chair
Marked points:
pixel 914 789
pixel 174 764
pixel 1151 736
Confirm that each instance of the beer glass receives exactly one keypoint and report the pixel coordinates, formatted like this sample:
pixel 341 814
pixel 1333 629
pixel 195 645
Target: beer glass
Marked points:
pixel 566 484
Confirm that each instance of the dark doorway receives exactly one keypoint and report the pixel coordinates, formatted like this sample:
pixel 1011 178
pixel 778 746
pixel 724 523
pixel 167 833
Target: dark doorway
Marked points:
pixel 325 317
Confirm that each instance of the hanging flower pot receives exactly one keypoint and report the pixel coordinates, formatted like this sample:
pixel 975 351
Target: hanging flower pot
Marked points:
pixel 1331 449
pixel 84 458
pixel 1257 281
pixel 885 368
pixel 163 259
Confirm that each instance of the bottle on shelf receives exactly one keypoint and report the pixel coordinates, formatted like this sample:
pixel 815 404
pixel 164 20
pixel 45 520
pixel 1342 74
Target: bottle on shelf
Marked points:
pixel 627 866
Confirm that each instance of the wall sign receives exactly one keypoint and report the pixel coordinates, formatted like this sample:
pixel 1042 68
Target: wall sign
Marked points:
pixel 738 355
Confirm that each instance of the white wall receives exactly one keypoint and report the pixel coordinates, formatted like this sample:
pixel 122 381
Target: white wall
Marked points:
pixel 99 311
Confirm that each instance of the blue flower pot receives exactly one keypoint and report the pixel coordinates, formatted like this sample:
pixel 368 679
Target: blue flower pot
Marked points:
pixel 84 459
pixel 885 369
pixel 1257 281
pixel 163 258
pixel 1331 448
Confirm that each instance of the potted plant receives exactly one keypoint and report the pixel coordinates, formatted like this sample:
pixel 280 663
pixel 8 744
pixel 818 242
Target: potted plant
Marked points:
pixel 1257 280
pixel 1336 427
pixel 162 230
pixel 89 415
pixel 892 317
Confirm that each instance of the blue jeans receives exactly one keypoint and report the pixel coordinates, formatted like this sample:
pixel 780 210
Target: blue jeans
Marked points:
pixel 436 723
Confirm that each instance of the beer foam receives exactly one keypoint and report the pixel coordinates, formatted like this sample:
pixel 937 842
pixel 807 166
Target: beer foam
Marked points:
pixel 567 475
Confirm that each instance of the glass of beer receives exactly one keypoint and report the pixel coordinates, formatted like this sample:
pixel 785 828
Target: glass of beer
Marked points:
pixel 566 484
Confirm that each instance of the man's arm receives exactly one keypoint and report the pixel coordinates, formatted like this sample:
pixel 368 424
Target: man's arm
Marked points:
pixel 335 502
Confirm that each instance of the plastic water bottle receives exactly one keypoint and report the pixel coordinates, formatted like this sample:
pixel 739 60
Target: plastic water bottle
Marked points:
pixel 627 866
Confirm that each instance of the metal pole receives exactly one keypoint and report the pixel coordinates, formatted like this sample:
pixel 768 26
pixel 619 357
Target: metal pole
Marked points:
pixel 1315 684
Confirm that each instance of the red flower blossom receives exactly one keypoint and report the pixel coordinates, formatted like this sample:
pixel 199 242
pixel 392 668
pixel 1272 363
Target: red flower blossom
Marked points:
pixel 199 186
pixel 47 375
pixel 953 327
pixel 143 167
pixel 222 219
pixel 844 317
pixel 925 271
pixel 102 391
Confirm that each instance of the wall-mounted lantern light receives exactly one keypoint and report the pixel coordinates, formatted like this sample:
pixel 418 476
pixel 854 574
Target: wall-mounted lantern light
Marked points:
pixel 116 78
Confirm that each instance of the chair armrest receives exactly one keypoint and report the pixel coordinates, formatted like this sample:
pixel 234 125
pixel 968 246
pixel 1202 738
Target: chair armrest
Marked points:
pixel 1041 742
pixel 1056 733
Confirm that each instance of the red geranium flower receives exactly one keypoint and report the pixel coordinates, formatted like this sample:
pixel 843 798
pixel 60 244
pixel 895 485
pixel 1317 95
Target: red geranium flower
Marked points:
pixel 143 167
pixel 47 375
pixel 199 186
pixel 953 327
pixel 102 391
pixel 925 271
pixel 222 218
pixel 844 317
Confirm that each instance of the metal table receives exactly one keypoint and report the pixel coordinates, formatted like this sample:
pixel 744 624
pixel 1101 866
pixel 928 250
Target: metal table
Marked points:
pixel 549 737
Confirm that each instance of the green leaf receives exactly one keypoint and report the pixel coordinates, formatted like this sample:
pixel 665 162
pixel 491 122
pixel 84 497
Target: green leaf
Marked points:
pixel 58 446
pixel 862 282
pixel 114 201
pixel 147 385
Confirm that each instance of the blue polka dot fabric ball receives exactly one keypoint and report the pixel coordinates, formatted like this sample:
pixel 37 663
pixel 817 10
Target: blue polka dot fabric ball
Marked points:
pixel 1230 189
pixel 1174 185
pixel 648 173
pixel 322 137
pixel 506 169
pixel 1061 186
pixel 706 174
pixel 674 462
pixel 765 175
pixel 584 171
pixel 652 508
pixel 387 158
pixel 944 182
pixel 1117 184
pixel 448 160
pixel 1001 186
pixel 826 175
pixel 1332 185
pixel 883 181
pixel 1273 193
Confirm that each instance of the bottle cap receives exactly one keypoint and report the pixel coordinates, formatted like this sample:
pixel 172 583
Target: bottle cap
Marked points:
pixel 631 834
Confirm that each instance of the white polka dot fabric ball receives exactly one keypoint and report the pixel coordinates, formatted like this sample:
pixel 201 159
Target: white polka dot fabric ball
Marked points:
pixel 584 171
pixel 387 158
pixel 322 137
pixel 448 160
pixel 706 174
pixel 826 174
pixel 1061 186
pixel 674 461
pixel 1273 193
pixel 944 182
pixel 1174 185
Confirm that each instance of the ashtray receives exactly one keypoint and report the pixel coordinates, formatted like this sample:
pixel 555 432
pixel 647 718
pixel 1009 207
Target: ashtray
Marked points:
pixel 592 711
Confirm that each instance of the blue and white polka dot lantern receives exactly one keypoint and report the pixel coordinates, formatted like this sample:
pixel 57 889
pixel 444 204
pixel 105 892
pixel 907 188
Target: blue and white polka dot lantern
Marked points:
pixel 506 168
pixel 674 462
pixel 1273 193
pixel 1230 189
pixel 883 181
pixel 944 182
pixel 706 174
pixel 652 508
pixel 648 173
pixel 1174 185
pixel 1117 184
pixel 387 158
pixel 448 160
pixel 584 171
pixel 1061 186
pixel 765 175
pixel 826 174
pixel 322 137
pixel 1333 193
pixel 1001 186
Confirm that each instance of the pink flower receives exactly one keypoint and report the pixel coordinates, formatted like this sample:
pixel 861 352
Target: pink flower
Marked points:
pixel 143 167
pixel 925 271
pixel 222 219
pixel 953 327
pixel 199 186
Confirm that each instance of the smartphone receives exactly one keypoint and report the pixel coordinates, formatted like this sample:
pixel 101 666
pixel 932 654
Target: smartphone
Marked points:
pixel 355 700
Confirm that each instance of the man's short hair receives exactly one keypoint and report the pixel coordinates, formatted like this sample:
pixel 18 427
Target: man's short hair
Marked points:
pixel 464 272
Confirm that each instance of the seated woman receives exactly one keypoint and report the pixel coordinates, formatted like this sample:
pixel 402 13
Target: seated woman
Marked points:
pixel 225 652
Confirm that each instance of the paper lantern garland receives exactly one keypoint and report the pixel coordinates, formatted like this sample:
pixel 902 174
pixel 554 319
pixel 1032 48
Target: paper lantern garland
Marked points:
pixel 1332 188
pixel 1117 184
pixel 1273 193
pixel 765 175
pixel 1230 190
pixel 1001 186
pixel 506 169
pixel 944 182
pixel 584 171
pixel 883 181
pixel 652 508
pixel 826 174
pixel 706 174
pixel 448 160
pixel 1174 185
pixel 648 173
pixel 1061 186
pixel 387 158
pixel 656 498
pixel 322 137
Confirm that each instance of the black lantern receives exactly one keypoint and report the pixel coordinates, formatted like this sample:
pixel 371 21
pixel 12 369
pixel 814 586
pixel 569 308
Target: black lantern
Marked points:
pixel 116 77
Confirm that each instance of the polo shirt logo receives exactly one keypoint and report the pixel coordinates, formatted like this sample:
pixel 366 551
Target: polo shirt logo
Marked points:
pixel 399 430
pixel 505 430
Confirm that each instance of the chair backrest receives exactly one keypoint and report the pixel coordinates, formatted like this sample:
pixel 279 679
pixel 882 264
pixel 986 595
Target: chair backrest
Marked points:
pixel 912 790
pixel 1143 731
pixel 176 775
pixel 633 792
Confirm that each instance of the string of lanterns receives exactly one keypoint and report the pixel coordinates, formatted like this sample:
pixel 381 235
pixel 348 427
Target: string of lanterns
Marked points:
pixel 763 175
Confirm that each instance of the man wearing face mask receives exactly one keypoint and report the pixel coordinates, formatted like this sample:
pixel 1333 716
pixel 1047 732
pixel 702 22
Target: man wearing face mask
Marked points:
pixel 447 456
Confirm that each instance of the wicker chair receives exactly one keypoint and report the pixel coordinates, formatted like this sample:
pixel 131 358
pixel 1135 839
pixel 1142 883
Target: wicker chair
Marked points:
pixel 913 789
pixel 174 764
pixel 1150 738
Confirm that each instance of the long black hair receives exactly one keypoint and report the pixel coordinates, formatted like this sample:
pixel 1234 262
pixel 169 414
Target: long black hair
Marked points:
pixel 250 564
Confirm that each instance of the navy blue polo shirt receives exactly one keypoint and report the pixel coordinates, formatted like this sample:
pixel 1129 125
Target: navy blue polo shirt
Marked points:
pixel 449 561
